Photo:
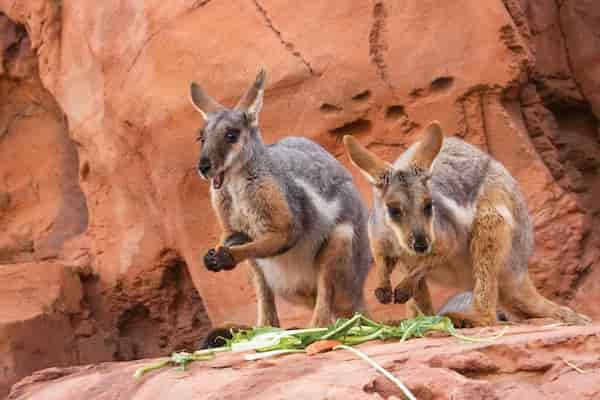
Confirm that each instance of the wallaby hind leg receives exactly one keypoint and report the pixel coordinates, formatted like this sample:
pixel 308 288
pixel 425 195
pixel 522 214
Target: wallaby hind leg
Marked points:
pixel 335 255
pixel 265 299
pixel 490 245
pixel 523 301
pixel 420 303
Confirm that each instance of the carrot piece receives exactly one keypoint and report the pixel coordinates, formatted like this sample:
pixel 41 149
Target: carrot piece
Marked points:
pixel 321 346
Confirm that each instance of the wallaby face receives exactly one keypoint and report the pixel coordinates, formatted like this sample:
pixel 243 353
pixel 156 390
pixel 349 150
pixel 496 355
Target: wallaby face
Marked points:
pixel 409 210
pixel 223 141
pixel 404 189
pixel 228 134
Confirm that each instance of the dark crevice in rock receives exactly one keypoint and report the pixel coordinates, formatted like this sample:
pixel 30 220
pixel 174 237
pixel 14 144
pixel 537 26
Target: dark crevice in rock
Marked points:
pixel 441 83
pixel 362 96
pixel 328 108
pixel 377 43
pixel 395 112
pixel 355 127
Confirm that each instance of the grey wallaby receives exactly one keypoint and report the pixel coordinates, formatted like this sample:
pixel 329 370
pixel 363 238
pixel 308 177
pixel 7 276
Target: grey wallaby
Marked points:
pixel 290 209
pixel 447 212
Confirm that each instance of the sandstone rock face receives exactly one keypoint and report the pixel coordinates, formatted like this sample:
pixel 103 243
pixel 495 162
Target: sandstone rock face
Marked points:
pixel 528 362
pixel 98 153
pixel 39 310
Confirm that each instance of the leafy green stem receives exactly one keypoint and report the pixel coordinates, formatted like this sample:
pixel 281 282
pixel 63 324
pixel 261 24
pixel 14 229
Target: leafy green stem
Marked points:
pixel 342 328
pixel 141 371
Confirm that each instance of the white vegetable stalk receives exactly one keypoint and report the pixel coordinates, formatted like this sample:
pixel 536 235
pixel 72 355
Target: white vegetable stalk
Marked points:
pixel 379 368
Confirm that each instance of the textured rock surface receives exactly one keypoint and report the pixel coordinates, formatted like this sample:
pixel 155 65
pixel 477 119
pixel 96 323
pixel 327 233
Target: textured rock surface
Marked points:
pixel 97 169
pixel 40 310
pixel 528 362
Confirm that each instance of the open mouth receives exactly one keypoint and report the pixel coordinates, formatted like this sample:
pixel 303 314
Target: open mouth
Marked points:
pixel 217 180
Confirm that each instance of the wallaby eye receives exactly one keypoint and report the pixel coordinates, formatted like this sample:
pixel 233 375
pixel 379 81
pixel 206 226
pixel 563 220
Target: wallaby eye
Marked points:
pixel 232 135
pixel 394 212
pixel 428 208
pixel 200 137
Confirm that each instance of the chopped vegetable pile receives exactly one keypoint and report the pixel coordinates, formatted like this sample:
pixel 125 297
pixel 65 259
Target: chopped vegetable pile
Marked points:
pixel 269 342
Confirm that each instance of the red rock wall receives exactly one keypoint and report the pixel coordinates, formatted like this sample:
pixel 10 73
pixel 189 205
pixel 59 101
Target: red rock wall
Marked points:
pixel 98 153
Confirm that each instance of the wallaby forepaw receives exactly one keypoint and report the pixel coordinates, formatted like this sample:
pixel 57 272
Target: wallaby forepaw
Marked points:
pixel 210 261
pixel 217 260
pixel 401 296
pixel 384 294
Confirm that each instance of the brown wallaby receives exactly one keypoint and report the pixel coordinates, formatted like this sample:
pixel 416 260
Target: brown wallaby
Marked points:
pixel 290 209
pixel 447 212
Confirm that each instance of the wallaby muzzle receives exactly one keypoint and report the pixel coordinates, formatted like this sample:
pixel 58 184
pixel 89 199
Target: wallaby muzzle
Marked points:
pixel 420 244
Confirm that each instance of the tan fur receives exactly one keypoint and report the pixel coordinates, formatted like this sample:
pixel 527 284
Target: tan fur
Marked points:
pixel 524 300
pixel 327 262
pixel 268 219
pixel 489 245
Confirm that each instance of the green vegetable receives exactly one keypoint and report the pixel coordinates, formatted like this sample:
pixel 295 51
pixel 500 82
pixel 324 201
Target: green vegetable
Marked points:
pixel 269 342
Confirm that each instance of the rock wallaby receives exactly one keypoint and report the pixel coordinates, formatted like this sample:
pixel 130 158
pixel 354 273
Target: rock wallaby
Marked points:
pixel 447 212
pixel 290 209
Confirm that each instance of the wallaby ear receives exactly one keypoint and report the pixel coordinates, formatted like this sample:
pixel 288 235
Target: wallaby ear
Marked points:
pixel 251 102
pixel 202 102
pixel 376 170
pixel 429 147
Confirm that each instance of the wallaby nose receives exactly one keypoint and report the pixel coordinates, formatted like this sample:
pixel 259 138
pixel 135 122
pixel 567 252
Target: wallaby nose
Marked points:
pixel 420 244
pixel 204 166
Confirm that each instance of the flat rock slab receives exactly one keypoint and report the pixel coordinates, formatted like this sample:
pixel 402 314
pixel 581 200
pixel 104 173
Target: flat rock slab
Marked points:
pixel 528 362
